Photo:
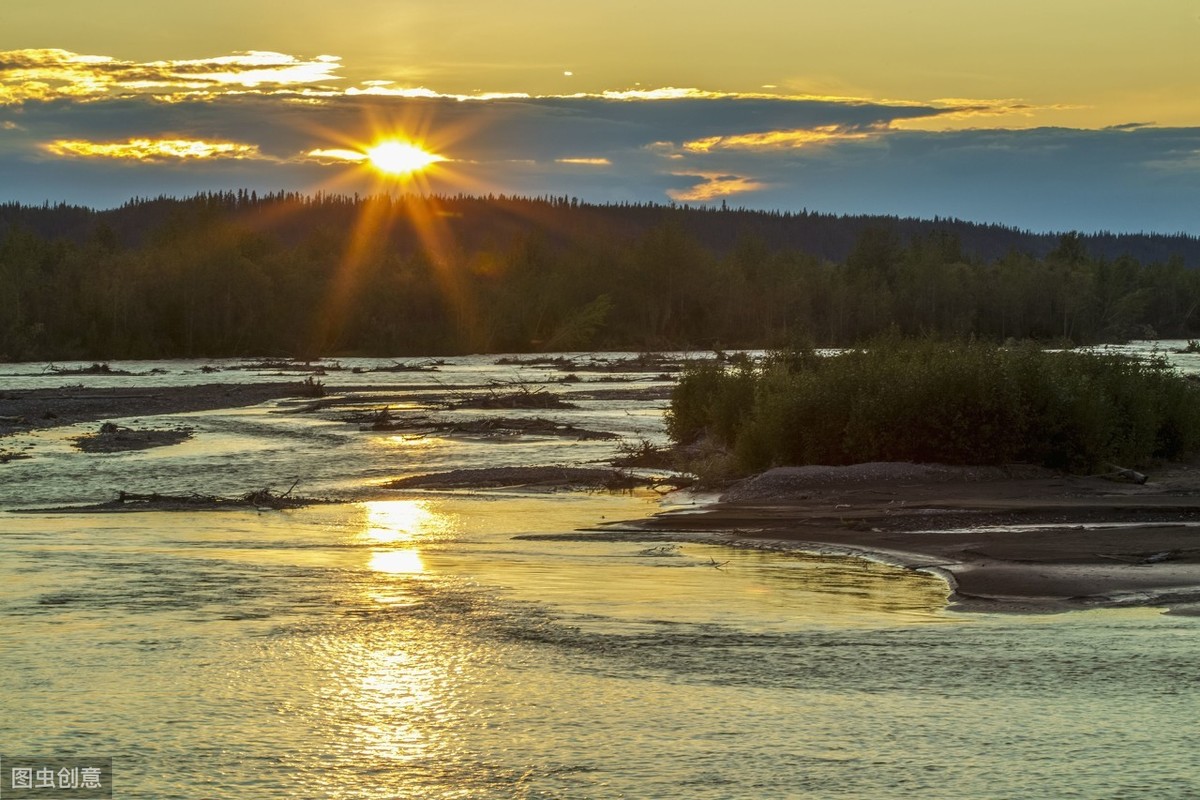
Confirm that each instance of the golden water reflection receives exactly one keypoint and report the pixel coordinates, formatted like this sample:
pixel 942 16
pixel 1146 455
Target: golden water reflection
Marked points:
pixel 392 521
pixel 395 674
pixel 413 440
pixel 397 562
pixel 395 695
pixel 397 530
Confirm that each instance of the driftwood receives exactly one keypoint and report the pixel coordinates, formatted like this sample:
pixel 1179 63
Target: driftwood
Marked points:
pixel 12 455
pixel 259 499
pixel 310 387
pixel 383 420
pixel 644 362
pixel 430 365
pixel 646 454
pixel 113 438
pixel 304 408
pixel 561 362
pixel 94 369
pixel 1125 474
pixel 511 396
pixel 289 365
pixel 545 478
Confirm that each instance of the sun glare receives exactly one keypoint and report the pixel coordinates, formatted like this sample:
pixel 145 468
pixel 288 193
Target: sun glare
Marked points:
pixel 400 158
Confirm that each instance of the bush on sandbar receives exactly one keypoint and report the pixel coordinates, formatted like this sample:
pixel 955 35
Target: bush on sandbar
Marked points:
pixel 960 402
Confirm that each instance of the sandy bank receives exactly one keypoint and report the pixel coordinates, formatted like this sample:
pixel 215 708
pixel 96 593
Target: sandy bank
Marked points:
pixel 551 478
pixel 1007 539
pixel 112 438
pixel 28 409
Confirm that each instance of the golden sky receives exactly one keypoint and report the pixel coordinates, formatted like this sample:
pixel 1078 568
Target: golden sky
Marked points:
pixel 1070 114
pixel 1085 64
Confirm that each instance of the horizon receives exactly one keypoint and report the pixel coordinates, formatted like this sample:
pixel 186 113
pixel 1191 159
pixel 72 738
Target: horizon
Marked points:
pixel 269 194
pixel 1019 117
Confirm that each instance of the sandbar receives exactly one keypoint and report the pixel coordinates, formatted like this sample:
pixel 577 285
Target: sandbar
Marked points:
pixel 23 410
pixel 1005 539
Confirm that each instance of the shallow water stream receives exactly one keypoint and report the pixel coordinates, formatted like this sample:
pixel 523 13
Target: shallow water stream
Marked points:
pixel 408 646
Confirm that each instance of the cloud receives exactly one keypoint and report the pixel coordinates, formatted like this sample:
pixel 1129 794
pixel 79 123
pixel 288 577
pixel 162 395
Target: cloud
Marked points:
pixel 153 149
pixel 715 186
pixel 336 155
pixel 95 129
pixel 589 162
pixel 778 140
pixel 51 74
pixel 547 128
pixel 665 93
pixel 1129 126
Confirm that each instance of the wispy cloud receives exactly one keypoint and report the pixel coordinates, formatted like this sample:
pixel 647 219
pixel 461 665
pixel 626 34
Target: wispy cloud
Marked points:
pixel 788 139
pixel 664 93
pixel 49 74
pixel 714 186
pixel 52 74
pixel 588 162
pixel 336 155
pixel 152 149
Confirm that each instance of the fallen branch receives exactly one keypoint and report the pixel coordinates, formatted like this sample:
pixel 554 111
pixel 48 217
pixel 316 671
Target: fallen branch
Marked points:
pixel 516 396
pixel 383 420
pixel 260 499
pixel 1125 474
pixel 113 438
pixel 529 477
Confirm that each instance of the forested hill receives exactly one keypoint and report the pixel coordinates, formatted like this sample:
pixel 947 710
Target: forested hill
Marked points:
pixel 237 274
pixel 474 221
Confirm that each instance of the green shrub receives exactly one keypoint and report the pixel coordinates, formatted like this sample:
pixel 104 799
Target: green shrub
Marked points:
pixel 960 402
pixel 711 400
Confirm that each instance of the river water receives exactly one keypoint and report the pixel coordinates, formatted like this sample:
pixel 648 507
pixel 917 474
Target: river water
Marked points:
pixel 408 646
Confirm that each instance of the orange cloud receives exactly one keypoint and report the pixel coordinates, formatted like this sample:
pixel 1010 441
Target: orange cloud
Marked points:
pixel 962 113
pixel 715 185
pixel 591 162
pixel 43 75
pixel 665 93
pixel 335 155
pixel 153 149
pixel 778 140
pixel 49 74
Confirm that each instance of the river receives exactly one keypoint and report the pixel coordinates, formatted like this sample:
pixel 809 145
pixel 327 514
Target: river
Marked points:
pixel 408 646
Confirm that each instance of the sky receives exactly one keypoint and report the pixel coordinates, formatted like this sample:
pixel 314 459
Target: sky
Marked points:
pixel 1050 115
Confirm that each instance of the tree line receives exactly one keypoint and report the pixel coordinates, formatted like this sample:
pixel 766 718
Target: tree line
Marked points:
pixel 237 273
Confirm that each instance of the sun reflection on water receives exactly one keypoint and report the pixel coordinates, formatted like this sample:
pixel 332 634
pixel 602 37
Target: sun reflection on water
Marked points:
pixel 412 440
pixel 397 562
pixel 396 529
pixel 386 707
pixel 393 521
pixel 394 672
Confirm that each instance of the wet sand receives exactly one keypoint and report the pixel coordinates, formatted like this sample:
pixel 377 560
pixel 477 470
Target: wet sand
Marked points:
pixel 29 409
pixel 1005 540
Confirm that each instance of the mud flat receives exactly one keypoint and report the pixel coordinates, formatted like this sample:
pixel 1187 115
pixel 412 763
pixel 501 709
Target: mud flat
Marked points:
pixel 128 502
pixel 543 478
pixel 112 438
pixel 1005 539
pixel 29 409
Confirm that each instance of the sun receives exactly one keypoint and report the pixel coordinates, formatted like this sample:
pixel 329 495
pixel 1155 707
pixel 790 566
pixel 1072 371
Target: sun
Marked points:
pixel 395 157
